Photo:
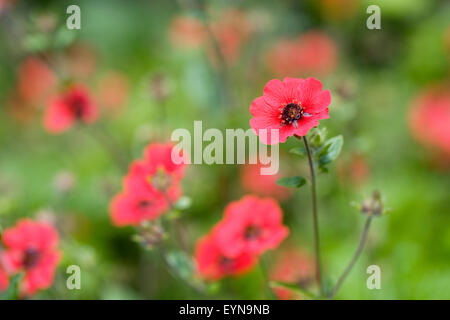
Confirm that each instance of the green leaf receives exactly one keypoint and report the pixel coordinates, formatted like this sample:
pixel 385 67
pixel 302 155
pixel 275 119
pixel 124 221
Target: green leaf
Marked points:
pixel 292 287
pixel 330 150
pixel 299 151
pixel 292 182
pixel 12 293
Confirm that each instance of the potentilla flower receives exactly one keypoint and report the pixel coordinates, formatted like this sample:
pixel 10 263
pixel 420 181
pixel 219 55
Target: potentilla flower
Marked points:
pixel 74 104
pixel 132 208
pixel 4 279
pixel 295 267
pixel 187 32
pixel 113 90
pixel 250 225
pixel 31 247
pixel 151 187
pixel 292 107
pixel 429 118
pixel 264 185
pixel 213 264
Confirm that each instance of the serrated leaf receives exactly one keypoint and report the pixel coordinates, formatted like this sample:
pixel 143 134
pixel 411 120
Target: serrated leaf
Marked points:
pixel 292 287
pixel 330 150
pixel 299 151
pixel 292 182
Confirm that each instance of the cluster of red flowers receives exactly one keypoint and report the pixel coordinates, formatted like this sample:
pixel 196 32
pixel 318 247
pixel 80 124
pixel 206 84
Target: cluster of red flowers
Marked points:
pixel 313 53
pixel 151 187
pixel 249 227
pixel 31 249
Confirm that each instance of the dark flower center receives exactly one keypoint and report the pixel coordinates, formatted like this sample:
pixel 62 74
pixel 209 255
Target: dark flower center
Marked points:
pixel 226 264
pixel 31 258
pixel 143 204
pixel 160 180
pixel 77 106
pixel 252 232
pixel 291 113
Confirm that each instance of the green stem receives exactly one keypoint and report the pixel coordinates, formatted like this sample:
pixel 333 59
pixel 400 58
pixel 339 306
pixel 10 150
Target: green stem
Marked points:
pixel 354 259
pixel 315 218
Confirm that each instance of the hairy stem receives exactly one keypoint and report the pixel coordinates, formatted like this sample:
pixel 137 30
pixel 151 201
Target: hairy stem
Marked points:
pixel 358 252
pixel 315 217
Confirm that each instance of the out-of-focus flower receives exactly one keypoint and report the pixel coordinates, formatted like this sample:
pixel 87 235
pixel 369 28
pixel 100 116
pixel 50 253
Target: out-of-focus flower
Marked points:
pixel 429 118
pixel 186 32
pixel 151 187
pixel 35 80
pixel 293 106
pixel 230 29
pixel 373 205
pixel 4 278
pixel 64 181
pixel 72 105
pixel 113 90
pixel 338 9
pixel 263 185
pixel 5 4
pixel 251 225
pixel 80 60
pixel 295 267
pixel 212 264
pixel 355 171
pixel 313 54
pixel 31 247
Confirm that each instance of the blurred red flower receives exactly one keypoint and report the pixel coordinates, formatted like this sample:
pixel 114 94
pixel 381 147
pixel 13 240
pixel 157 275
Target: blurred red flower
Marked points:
pixel 230 29
pixel 4 279
pixel 250 225
pixel 31 247
pixel 151 186
pixel 293 106
pixel 80 60
pixel 35 80
pixel 212 264
pixel 313 54
pixel 263 185
pixel 295 267
pixel 74 104
pixel 113 90
pixel 429 118
pixel 186 32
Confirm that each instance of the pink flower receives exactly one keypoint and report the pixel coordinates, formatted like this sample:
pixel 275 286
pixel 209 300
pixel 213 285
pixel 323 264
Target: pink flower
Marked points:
pixel 212 264
pixel 429 118
pixel 75 104
pixel 113 90
pixel 263 185
pixel 292 107
pixel 250 225
pixel 151 186
pixel 293 266
pixel 4 279
pixel 187 32
pixel 31 247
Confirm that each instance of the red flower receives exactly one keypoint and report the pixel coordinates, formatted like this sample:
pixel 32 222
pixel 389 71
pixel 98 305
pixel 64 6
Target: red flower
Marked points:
pixel 293 266
pixel 264 185
pixel 250 225
pixel 293 106
pixel 35 80
pixel 429 118
pixel 4 279
pixel 213 264
pixel 187 32
pixel 75 104
pixel 150 187
pixel 313 53
pixel 31 247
